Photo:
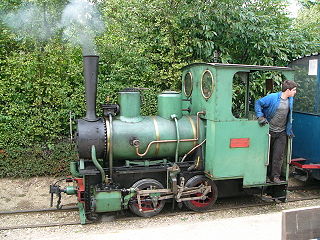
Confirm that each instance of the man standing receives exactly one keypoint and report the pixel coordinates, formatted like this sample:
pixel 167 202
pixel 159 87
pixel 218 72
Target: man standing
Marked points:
pixel 276 109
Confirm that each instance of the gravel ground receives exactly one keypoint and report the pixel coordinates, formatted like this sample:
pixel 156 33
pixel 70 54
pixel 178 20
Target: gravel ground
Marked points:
pixel 225 224
pixel 253 223
pixel 33 193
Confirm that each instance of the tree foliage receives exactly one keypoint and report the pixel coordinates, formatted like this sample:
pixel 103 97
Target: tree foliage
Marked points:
pixel 308 22
pixel 309 3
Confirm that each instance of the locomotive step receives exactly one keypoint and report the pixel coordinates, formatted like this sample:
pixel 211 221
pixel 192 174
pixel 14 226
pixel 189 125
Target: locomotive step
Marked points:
pixel 269 182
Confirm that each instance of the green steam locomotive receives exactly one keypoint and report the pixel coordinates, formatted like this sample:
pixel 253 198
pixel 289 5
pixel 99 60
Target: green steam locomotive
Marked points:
pixel 193 151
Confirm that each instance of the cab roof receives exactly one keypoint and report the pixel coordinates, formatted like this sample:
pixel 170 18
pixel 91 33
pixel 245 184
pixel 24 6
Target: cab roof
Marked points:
pixel 244 66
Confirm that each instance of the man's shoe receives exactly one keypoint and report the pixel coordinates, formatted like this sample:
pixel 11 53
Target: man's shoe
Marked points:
pixel 276 180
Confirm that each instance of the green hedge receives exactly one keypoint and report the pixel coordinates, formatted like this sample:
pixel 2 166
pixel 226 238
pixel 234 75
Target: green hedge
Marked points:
pixel 39 160
pixel 38 91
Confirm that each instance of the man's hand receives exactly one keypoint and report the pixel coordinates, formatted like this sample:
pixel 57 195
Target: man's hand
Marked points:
pixel 262 121
pixel 291 135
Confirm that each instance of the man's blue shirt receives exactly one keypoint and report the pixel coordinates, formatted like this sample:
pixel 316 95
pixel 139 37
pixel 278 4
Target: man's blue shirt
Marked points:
pixel 268 105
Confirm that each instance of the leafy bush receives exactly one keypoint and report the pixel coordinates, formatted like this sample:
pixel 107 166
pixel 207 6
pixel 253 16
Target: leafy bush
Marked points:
pixel 38 160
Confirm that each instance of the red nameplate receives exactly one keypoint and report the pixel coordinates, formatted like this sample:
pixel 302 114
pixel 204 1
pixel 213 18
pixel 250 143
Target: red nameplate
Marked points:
pixel 239 142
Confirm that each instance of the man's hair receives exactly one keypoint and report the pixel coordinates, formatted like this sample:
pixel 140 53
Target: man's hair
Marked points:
pixel 288 84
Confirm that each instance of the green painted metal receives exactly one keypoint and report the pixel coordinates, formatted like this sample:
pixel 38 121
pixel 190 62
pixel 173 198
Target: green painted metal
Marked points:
pixel 130 106
pixel 289 75
pixel 74 169
pixel 145 163
pixel 218 106
pixel 287 160
pixel 96 163
pixel 222 161
pixel 108 201
pixel 152 129
pixel 71 190
pixel 81 164
pixel 198 102
pixel 82 213
pixel 218 126
pixel 170 103
pixel 178 137
pixel 126 198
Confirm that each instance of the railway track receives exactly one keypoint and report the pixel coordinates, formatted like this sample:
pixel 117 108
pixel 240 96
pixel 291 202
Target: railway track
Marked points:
pixel 221 208
pixel 307 188
pixel 65 209
pixel 166 214
pixel 32 212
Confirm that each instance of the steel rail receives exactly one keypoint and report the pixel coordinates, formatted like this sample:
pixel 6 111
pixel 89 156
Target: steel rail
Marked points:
pixel 39 210
pixel 225 208
pixel 36 211
pixel 311 187
pixel 134 218
pixel 39 225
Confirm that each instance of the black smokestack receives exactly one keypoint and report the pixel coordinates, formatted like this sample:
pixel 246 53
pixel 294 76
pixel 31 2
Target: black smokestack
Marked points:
pixel 90 67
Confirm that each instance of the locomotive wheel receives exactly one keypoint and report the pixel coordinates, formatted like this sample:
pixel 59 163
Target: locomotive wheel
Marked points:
pixel 206 204
pixel 146 202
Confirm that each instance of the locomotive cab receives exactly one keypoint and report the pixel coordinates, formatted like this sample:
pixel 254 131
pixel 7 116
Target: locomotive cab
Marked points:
pixel 236 147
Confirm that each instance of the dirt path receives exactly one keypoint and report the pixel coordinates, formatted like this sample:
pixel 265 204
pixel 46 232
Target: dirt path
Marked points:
pixel 33 193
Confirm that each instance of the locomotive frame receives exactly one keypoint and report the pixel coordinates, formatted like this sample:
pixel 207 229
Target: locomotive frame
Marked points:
pixel 191 152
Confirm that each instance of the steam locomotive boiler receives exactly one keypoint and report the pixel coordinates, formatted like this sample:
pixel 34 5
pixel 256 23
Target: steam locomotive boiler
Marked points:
pixel 191 151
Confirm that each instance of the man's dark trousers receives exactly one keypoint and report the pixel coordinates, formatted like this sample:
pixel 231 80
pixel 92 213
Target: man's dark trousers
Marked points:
pixel 277 147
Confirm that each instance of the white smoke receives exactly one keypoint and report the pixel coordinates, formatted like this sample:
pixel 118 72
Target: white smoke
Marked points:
pixel 31 21
pixel 80 23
